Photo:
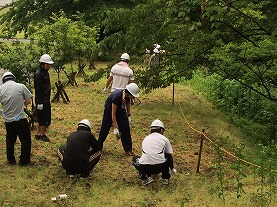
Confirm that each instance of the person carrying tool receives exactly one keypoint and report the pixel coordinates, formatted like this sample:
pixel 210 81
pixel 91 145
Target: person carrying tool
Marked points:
pixel 116 113
pixel 156 156
pixel 120 75
pixel 13 97
pixel 81 152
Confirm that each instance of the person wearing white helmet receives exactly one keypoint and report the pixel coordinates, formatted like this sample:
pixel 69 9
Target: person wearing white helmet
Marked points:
pixel 42 87
pixel 81 152
pixel 120 75
pixel 116 113
pixel 13 97
pixel 156 156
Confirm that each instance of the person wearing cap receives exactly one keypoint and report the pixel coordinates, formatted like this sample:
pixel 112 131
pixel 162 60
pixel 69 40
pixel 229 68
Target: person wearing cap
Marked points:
pixel 120 75
pixel 81 152
pixel 116 113
pixel 156 156
pixel 13 97
pixel 42 87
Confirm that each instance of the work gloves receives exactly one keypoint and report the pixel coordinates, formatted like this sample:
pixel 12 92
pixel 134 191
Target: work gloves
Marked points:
pixel 39 106
pixel 116 133
pixel 105 90
pixel 129 119
pixel 173 171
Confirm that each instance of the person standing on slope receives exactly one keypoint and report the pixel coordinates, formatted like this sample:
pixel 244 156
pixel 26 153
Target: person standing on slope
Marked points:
pixel 42 87
pixel 120 75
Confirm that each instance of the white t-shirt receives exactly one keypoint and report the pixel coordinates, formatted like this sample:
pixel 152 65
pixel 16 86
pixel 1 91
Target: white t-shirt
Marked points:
pixel 121 74
pixel 153 148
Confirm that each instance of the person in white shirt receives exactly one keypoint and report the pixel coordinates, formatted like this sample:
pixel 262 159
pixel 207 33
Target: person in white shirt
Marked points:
pixel 121 74
pixel 156 156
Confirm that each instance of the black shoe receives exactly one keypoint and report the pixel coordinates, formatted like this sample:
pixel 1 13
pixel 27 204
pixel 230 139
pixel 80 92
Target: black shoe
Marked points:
pixel 12 162
pixel 44 138
pixel 37 137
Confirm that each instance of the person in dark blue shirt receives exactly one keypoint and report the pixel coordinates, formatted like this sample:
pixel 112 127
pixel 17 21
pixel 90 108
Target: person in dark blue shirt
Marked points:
pixel 117 114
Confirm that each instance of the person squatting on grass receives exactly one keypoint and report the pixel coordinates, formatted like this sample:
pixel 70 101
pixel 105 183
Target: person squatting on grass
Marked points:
pixel 116 113
pixel 13 97
pixel 156 156
pixel 81 152
pixel 121 74
pixel 42 87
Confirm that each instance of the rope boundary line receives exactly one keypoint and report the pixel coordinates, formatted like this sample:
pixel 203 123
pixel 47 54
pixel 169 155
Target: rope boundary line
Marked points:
pixel 222 149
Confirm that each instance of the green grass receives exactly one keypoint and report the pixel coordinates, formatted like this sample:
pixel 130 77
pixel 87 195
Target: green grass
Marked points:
pixel 116 181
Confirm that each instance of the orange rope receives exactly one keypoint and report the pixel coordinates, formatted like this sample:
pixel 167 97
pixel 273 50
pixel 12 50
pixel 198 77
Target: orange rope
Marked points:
pixel 222 149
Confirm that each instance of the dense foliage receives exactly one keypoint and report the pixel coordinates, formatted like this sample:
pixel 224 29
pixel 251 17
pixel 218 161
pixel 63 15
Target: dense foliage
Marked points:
pixel 233 39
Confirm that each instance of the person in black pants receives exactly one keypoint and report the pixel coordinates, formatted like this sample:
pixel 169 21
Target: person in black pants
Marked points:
pixel 81 152
pixel 42 87
pixel 117 113
pixel 13 97
pixel 156 156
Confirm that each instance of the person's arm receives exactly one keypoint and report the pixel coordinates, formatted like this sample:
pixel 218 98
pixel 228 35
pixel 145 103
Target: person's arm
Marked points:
pixel 169 159
pixel 27 101
pixel 109 80
pixel 115 130
pixel 95 144
pixel 128 108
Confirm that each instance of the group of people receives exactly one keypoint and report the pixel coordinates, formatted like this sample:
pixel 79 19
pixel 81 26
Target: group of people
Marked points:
pixel 82 151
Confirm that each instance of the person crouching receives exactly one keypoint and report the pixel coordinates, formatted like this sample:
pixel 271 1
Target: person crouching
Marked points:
pixel 81 152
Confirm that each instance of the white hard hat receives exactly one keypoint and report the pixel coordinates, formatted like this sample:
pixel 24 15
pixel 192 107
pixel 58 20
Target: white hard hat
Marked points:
pixel 158 46
pixel 133 89
pixel 157 124
pixel 156 50
pixel 85 123
pixel 125 56
pixel 46 59
pixel 7 76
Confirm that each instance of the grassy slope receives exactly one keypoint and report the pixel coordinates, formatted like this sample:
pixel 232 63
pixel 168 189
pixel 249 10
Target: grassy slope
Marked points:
pixel 115 181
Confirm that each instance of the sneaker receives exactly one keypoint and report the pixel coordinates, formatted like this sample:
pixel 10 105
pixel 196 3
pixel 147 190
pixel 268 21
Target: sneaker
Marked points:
pixel 130 153
pixel 44 138
pixel 147 181
pixel 165 181
pixel 86 177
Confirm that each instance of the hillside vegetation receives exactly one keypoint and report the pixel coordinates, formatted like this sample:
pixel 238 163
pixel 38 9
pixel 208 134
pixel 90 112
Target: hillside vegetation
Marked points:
pixel 115 181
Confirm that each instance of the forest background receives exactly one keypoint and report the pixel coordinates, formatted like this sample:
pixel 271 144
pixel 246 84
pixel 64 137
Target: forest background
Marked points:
pixel 225 49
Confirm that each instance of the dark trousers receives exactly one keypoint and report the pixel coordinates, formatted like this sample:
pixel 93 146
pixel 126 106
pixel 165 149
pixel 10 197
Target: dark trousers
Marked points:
pixel 123 127
pixel 93 159
pixel 148 170
pixel 22 130
pixel 44 115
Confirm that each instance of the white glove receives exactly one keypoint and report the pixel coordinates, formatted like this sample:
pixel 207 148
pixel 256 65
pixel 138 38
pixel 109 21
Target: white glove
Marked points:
pixel 116 133
pixel 173 171
pixel 105 90
pixel 39 106
pixel 129 119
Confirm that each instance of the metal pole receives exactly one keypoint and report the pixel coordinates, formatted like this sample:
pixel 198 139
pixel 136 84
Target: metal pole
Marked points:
pixel 200 151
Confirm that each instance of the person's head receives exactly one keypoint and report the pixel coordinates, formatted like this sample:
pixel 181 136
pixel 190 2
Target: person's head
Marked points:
pixel 157 126
pixel 46 61
pixel 132 90
pixel 85 124
pixel 125 57
pixel 8 76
